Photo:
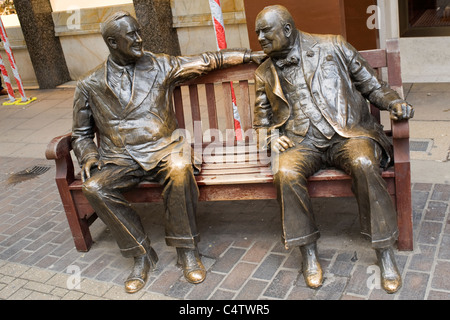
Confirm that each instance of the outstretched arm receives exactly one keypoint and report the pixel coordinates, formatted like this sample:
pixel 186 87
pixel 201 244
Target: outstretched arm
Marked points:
pixel 183 68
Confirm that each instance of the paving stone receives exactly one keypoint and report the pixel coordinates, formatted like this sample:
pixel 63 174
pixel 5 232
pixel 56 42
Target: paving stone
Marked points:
pixel 438 295
pixel 20 294
pixel 59 280
pixel 93 287
pixel 98 265
pixel 238 276
pixel 436 210
pixel 13 270
pixel 203 290
pixel 269 267
pixel 301 292
pixel 281 284
pixel 257 252
pixel 41 296
pixel 12 287
pixel 59 292
pixel 358 281
pixel 422 186
pixel 252 290
pixel 429 233
pixel 38 286
pixel 163 283
pixel 424 259
pixel 226 262
pixel 72 295
pixel 343 264
pixel 441 192
pixel 441 276
pixel 444 248
pixel 39 254
pixel 118 293
pixel 220 294
pixel 179 289
pixel 332 288
pixel 414 286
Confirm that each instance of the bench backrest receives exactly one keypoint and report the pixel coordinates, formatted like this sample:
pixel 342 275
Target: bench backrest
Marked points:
pixel 206 102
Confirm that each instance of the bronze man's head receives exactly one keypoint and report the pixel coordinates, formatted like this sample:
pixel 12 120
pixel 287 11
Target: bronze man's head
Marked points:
pixel 121 33
pixel 276 30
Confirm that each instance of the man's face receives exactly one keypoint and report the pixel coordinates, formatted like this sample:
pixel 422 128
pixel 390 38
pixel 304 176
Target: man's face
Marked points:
pixel 127 41
pixel 271 34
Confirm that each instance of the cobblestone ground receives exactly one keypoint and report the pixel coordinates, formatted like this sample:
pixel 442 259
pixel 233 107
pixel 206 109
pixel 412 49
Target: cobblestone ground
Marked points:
pixel 240 247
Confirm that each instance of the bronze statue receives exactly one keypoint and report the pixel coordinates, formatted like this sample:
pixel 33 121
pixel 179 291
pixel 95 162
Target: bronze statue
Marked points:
pixel 127 102
pixel 311 97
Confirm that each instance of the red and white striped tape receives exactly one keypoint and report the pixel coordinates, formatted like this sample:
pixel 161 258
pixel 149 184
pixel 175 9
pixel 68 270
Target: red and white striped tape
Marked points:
pixel 7 81
pixel 12 62
pixel 219 27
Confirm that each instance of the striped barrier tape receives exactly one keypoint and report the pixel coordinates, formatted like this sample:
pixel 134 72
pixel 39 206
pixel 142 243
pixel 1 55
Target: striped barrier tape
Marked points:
pixel 219 28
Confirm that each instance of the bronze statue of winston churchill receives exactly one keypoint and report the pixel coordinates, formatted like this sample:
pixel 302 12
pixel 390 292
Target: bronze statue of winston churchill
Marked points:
pixel 311 96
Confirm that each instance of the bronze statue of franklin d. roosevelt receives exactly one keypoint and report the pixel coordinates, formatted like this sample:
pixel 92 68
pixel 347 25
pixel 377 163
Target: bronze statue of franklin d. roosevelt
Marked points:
pixel 127 102
pixel 311 96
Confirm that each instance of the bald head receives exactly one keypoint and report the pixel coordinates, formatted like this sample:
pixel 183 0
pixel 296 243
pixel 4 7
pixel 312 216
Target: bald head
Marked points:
pixel 276 30
pixel 280 13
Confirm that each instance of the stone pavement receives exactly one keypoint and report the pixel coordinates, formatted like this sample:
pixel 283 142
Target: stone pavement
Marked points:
pixel 240 241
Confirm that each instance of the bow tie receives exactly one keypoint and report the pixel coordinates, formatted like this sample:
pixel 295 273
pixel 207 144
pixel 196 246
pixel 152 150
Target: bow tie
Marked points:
pixel 287 62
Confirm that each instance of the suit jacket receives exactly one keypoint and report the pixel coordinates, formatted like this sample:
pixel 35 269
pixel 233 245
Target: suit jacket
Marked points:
pixel 339 79
pixel 142 130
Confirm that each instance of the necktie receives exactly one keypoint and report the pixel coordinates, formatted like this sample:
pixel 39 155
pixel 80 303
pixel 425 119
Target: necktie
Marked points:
pixel 281 63
pixel 125 87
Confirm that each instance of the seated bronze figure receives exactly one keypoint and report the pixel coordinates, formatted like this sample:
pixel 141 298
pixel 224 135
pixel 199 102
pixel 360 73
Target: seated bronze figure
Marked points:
pixel 311 98
pixel 127 102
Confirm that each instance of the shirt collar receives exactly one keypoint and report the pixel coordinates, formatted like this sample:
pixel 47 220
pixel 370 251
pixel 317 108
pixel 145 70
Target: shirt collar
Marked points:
pixel 118 70
pixel 293 57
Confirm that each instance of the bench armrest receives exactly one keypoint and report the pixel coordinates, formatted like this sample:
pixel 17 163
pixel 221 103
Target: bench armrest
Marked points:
pixel 400 129
pixel 59 147
pixel 400 141
pixel 59 150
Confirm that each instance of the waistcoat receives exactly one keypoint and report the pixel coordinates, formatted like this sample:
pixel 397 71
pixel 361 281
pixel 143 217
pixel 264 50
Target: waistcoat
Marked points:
pixel 304 111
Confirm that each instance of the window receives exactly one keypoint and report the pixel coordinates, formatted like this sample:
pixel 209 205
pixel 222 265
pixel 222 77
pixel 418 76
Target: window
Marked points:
pixel 424 18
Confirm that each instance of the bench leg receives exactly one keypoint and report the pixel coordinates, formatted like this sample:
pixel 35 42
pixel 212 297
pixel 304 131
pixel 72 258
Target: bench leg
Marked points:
pixel 79 227
pixel 404 206
pixel 80 232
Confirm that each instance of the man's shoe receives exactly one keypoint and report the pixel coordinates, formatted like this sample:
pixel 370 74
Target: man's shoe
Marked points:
pixel 312 271
pixel 138 276
pixel 193 269
pixel 391 281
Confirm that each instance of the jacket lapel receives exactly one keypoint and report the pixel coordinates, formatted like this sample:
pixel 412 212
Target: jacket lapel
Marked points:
pixel 275 82
pixel 310 56
pixel 145 75
pixel 104 90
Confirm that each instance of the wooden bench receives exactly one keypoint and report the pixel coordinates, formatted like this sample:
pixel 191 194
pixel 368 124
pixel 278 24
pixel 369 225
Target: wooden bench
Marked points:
pixel 235 170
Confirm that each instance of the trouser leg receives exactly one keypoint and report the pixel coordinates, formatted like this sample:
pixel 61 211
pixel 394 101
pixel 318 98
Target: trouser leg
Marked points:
pixel 360 158
pixel 294 167
pixel 180 196
pixel 104 192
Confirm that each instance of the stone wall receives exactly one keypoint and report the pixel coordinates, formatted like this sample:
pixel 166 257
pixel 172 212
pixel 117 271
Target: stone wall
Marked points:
pixel 193 22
